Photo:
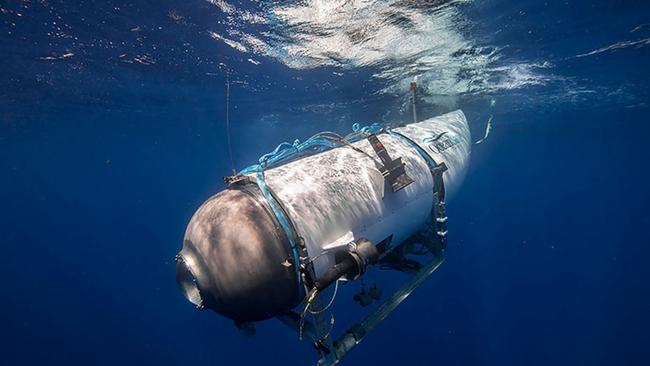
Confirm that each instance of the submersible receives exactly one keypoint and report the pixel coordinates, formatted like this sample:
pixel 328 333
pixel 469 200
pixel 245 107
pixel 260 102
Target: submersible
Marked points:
pixel 314 213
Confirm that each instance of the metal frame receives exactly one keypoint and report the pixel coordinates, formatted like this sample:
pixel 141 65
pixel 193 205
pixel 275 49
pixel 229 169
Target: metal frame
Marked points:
pixel 356 333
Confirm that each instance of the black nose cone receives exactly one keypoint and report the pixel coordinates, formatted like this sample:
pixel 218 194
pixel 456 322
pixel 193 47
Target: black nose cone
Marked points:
pixel 234 259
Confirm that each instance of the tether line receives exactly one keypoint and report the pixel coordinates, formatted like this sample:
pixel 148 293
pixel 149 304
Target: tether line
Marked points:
pixel 232 164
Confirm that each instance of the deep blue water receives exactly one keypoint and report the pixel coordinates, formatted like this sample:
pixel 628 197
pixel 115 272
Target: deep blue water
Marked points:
pixel 112 132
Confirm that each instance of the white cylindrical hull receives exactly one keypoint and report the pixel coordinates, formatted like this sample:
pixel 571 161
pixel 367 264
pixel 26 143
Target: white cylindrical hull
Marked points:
pixel 339 195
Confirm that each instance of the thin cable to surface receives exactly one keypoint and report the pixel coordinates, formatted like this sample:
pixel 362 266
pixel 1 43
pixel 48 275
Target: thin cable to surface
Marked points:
pixel 232 164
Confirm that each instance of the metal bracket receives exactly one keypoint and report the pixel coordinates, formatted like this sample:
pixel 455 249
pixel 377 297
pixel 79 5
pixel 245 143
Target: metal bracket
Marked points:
pixel 392 170
pixel 237 179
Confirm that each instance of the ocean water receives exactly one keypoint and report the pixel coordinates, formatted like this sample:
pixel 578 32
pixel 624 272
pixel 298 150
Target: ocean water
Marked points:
pixel 113 131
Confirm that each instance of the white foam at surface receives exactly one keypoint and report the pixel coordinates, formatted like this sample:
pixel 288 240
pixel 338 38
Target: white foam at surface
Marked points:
pixel 617 46
pixel 223 6
pixel 398 39
pixel 234 44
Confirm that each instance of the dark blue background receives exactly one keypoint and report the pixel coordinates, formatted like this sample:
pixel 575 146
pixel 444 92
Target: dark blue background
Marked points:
pixel 101 168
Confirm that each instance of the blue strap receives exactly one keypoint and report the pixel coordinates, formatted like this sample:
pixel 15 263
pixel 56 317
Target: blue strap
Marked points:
pixel 284 223
pixel 432 164
pixel 438 210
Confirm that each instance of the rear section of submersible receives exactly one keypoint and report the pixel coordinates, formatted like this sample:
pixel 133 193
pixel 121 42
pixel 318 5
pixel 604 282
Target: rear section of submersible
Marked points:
pixel 263 245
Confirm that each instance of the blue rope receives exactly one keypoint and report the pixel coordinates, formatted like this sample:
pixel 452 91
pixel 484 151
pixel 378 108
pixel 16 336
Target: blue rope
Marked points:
pixel 286 152
pixel 373 128
pixel 315 144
